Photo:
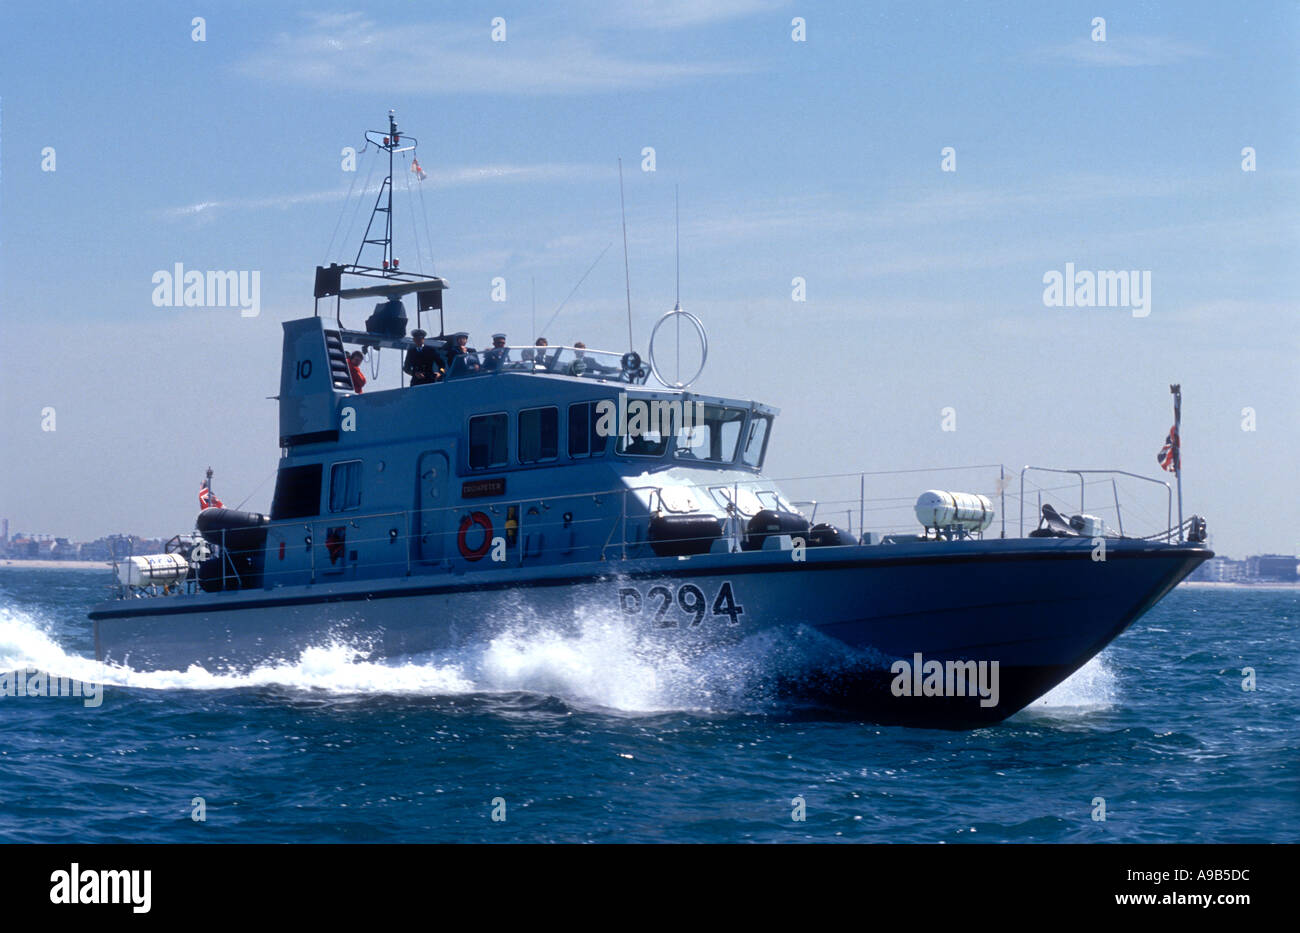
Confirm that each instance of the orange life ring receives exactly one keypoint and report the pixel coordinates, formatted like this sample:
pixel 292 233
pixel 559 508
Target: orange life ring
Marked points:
pixel 478 553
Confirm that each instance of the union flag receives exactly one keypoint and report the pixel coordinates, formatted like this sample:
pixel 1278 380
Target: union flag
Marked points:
pixel 1168 458
pixel 206 498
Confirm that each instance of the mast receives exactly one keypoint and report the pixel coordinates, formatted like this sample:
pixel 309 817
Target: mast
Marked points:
pixel 388 261
pixel 428 289
pixel 1177 391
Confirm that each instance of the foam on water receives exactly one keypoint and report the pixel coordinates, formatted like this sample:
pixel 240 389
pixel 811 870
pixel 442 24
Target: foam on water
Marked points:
pixel 597 660
pixel 1091 687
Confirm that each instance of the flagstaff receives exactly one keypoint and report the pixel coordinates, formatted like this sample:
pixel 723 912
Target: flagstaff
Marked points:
pixel 1170 457
pixel 1177 391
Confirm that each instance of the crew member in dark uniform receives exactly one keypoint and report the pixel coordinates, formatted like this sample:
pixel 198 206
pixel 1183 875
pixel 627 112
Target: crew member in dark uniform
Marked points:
pixel 422 364
pixel 537 356
pixel 464 358
pixel 499 355
pixel 581 364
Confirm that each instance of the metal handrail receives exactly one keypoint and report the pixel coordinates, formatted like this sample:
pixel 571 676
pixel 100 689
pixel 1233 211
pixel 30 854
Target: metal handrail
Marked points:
pixel 602 512
pixel 703 487
pixel 550 359
pixel 1112 473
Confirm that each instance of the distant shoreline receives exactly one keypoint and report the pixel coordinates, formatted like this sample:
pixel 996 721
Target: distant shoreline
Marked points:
pixel 57 564
pixel 1271 585
pixel 105 565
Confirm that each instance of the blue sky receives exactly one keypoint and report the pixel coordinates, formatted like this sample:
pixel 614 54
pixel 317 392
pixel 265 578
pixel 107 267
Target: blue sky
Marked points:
pixel 818 159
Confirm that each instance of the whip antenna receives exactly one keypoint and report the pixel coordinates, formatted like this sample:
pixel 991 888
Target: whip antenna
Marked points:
pixel 561 305
pixel 627 275
pixel 677 249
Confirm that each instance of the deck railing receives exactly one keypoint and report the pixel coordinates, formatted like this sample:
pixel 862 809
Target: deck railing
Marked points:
pixel 609 524
pixel 1114 489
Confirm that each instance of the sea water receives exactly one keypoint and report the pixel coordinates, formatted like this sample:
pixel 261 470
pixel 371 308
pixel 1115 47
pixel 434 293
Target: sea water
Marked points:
pixel 1186 729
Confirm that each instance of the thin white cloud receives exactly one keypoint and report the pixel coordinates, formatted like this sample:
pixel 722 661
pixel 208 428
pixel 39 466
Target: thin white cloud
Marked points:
pixel 684 14
pixel 943 208
pixel 435 178
pixel 1123 52
pixel 353 52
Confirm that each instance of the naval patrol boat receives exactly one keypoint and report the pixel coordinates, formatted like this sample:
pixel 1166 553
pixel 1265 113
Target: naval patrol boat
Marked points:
pixel 528 485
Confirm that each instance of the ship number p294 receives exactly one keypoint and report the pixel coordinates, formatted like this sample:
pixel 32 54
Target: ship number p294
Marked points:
pixel 689 599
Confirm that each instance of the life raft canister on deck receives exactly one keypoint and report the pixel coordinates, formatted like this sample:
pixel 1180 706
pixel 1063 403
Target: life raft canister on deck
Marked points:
pixel 678 535
pixel 769 522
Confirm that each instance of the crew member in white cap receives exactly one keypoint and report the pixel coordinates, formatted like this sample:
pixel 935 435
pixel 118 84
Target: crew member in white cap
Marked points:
pixel 464 358
pixel 499 355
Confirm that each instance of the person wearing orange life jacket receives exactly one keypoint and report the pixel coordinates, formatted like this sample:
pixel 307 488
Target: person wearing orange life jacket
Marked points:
pixel 354 368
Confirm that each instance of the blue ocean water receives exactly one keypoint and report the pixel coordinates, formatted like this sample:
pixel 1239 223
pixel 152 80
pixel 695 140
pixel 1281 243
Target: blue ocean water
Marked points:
pixel 576 739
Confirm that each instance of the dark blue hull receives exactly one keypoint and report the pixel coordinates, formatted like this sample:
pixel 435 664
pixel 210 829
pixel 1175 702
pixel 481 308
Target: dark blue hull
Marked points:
pixel 1033 610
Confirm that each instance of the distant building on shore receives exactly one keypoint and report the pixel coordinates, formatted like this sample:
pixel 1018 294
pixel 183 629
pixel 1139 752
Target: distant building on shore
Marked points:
pixel 1259 568
pixel 63 549
pixel 23 546
pixel 95 550
pixel 1275 568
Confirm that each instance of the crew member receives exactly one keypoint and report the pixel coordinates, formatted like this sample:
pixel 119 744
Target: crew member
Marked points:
pixel 354 368
pixel 579 364
pixel 499 355
pixel 422 363
pixel 464 358
pixel 538 353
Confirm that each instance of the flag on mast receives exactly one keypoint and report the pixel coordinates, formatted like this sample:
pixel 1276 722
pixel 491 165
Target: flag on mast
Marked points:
pixel 1168 457
pixel 206 498
pixel 415 167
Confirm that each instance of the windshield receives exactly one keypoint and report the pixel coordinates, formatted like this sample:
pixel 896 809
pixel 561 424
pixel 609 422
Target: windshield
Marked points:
pixel 756 440
pixel 715 437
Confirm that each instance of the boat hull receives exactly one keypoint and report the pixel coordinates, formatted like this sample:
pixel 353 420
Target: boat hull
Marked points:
pixel 1031 612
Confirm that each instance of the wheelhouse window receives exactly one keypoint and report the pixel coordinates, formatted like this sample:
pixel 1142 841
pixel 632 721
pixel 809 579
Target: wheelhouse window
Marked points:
pixel 345 486
pixel 760 426
pixel 714 436
pixel 488 441
pixel 297 492
pixel 584 439
pixel 648 444
pixel 539 434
